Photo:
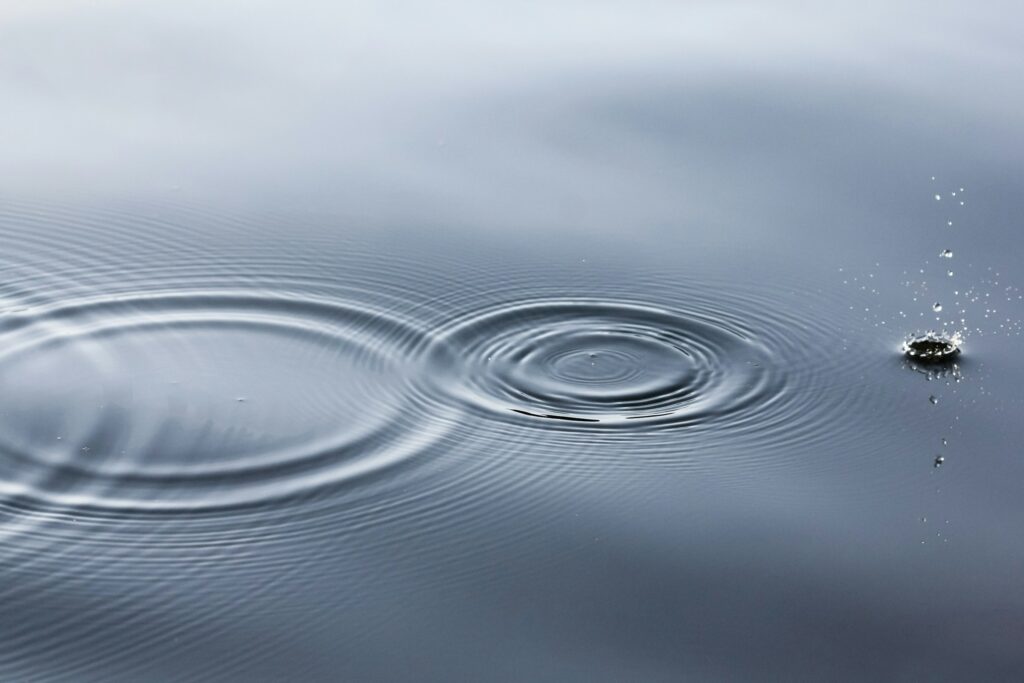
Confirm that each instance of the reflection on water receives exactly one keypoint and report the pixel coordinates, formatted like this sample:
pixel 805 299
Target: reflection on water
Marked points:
pixel 480 342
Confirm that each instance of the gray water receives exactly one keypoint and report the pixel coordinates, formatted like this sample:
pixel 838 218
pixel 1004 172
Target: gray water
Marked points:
pixel 509 342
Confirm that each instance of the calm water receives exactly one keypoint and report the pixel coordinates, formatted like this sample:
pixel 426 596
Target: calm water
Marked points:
pixel 523 342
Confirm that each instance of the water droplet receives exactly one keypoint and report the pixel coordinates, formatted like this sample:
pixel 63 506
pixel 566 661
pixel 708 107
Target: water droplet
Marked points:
pixel 933 400
pixel 946 253
pixel 938 197
pixel 939 460
pixel 949 273
pixel 936 307
pixel 944 441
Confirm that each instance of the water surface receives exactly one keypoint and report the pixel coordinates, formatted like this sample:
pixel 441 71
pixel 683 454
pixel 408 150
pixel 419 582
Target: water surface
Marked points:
pixel 509 343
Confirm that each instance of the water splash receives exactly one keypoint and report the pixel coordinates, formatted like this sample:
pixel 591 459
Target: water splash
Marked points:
pixel 932 346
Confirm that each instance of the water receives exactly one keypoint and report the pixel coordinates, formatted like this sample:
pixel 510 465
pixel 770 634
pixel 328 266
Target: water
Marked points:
pixel 932 346
pixel 550 343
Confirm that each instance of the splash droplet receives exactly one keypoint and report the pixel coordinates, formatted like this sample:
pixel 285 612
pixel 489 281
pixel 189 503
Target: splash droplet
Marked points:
pixel 938 197
pixel 939 460
pixel 946 253
pixel 933 400
pixel 932 347
pixel 937 307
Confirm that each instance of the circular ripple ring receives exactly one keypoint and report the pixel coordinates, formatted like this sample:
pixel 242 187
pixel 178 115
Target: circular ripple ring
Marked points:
pixel 603 363
pixel 200 401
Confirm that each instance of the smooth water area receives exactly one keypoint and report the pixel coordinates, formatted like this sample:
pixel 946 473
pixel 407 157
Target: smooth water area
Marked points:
pixel 524 342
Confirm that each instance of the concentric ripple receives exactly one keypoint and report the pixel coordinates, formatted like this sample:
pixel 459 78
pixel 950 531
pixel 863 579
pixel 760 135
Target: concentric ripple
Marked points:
pixel 607 364
pixel 201 401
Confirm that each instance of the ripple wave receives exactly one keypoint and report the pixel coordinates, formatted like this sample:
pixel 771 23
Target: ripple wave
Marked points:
pixel 192 401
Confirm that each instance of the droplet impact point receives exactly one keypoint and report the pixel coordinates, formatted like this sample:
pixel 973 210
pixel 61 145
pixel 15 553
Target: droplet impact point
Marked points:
pixel 932 347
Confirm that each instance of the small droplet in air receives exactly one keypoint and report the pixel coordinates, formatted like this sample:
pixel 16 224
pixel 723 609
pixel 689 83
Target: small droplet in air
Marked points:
pixel 933 400
pixel 938 197
pixel 949 273
pixel 946 253
pixel 939 460
pixel 937 307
